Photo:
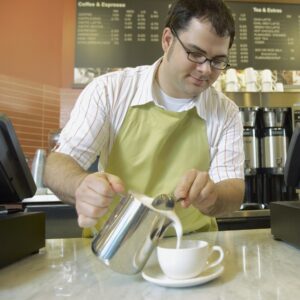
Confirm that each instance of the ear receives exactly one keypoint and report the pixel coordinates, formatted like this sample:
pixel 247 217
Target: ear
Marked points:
pixel 167 39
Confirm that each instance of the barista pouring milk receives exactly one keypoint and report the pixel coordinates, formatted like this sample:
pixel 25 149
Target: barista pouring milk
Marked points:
pixel 159 128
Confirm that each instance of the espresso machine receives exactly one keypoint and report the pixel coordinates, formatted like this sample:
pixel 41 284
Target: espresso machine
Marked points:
pixel 252 165
pixel 274 144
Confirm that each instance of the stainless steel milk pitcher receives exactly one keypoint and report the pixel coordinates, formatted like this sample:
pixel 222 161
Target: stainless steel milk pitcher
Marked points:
pixel 129 236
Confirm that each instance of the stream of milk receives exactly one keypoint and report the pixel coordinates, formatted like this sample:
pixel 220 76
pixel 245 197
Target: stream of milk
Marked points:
pixel 176 223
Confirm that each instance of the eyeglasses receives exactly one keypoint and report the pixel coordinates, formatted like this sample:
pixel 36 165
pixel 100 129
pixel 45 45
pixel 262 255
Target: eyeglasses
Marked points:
pixel 199 58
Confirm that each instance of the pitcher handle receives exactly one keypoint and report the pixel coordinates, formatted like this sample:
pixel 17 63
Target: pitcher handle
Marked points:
pixel 93 229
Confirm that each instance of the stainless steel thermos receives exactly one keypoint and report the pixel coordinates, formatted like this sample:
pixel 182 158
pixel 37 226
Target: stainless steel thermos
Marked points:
pixel 275 140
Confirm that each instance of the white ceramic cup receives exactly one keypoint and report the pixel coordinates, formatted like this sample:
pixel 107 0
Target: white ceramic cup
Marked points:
pixel 231 80
pixel 231 76
pixel 188 261
pixel 266 86
pixel 252 87
pixel 279 87
pixel 232 87
pixel 250 75
pixel 267 81
pixel 266 75
pixel 251 80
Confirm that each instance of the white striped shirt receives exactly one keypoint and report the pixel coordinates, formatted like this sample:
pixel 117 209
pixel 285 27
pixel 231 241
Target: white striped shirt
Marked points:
pixel 101 108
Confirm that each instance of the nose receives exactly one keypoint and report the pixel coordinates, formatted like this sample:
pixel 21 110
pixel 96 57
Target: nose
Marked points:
pixel 204 68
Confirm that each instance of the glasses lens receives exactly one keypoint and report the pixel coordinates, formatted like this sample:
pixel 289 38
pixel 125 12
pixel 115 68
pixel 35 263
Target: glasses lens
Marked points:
pixel 197 57
pixel 219 64
pixel 200 59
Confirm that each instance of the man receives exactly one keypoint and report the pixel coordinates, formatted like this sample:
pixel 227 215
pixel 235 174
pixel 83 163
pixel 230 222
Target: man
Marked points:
pixel 159 129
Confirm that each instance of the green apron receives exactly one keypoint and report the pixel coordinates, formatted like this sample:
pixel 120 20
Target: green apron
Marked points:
pixel 151 152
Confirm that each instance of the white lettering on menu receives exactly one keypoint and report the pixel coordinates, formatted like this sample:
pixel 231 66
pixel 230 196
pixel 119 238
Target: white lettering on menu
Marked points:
pixel 267 10
pixel 101 4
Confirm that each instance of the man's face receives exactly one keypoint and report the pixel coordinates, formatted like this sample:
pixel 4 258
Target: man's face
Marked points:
pixel 181 78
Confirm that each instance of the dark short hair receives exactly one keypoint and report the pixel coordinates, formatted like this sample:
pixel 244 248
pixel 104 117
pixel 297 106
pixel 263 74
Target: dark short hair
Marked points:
pixel 216 12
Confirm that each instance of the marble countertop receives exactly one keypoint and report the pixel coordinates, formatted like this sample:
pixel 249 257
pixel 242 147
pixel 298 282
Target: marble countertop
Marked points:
pixel 256 267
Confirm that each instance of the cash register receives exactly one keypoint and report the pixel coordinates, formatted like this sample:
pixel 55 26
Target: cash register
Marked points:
pixel 285 215
pixel 21 233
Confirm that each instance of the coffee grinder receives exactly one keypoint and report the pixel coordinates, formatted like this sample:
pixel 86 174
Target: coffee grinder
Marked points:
pixel 274 145
pixel 253 187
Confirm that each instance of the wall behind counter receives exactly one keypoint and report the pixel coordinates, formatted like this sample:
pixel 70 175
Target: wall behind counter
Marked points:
pixel 34 35
pixel 36 62
pixel 33 108
pixel 36 110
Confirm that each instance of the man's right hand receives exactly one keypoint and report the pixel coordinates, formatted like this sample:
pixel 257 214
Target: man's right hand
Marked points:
pixel 94 195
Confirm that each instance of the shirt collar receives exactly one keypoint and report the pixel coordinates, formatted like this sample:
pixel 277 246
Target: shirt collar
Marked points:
pixel 145 95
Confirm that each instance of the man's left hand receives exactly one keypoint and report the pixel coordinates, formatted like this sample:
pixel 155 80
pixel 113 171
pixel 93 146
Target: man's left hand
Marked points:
pixel 197 189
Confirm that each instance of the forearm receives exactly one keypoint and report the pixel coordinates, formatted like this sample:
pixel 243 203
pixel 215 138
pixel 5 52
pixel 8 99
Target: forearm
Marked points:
pixel 63 175
pixel 230 194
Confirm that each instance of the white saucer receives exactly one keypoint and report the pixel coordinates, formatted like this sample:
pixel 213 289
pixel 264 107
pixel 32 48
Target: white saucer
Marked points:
pixel 155 275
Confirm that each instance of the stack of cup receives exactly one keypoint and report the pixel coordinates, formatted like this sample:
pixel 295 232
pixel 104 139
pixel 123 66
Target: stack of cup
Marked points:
pixel 251 80
pixel 231 81
pixel 279 87
pixel 266 81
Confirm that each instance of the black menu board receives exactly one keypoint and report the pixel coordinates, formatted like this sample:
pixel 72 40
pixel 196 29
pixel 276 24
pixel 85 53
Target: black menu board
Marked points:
pixel 117 34
pixel 267 36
